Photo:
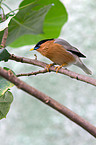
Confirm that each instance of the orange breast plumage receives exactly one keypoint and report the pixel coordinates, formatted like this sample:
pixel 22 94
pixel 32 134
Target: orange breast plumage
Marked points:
pixel 56 53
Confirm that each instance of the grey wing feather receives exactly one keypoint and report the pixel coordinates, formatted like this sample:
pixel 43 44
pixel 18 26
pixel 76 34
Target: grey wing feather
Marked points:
pixel 69 47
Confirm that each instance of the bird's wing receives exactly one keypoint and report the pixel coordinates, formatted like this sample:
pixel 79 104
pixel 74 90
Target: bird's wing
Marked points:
pixel 69 47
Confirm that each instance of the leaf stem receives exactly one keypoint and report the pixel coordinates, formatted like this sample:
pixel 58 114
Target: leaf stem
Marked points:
pixel 12 11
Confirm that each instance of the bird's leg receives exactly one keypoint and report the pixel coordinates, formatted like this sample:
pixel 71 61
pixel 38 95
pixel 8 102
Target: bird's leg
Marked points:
pixel 58 67
pixel 49 65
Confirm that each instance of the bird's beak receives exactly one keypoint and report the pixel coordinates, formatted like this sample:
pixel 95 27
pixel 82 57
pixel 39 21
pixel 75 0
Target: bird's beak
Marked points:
pixel 31 49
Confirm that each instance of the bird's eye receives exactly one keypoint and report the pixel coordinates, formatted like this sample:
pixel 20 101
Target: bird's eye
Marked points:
pixel 36 48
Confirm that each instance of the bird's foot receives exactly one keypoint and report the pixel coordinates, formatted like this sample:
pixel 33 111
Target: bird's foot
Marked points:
pixel 59 67
pixel 49 65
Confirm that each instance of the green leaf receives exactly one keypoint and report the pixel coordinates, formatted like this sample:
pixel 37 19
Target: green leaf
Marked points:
pixel 5 102
pixel 4 54
pixel 32 17
pixel 27 21
pixel 1 35
pixel 4 85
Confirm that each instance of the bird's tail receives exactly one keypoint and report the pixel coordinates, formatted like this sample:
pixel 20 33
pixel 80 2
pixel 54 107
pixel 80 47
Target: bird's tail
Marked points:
pixel 83 67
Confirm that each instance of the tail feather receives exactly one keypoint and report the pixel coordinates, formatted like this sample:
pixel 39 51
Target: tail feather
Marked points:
pixel 84 68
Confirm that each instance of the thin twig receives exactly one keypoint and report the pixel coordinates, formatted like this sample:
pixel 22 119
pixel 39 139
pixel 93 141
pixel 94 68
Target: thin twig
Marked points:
pixel 32 73
pixel 5 35
pixel 48 101
pixel 67 72
pixel 4 38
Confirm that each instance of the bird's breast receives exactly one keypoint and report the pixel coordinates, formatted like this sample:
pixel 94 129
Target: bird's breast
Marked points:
pixel 56 53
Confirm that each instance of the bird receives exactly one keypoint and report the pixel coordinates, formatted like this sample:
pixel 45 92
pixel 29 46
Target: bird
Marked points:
pixel 61 53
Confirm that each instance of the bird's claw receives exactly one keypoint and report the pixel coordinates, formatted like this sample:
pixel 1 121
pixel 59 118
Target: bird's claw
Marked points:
pixel 57 67
pixel 49 65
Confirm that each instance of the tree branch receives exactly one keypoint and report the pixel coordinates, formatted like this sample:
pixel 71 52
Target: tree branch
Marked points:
pixel 32 73
pixel 67 72
pixel 5 35
pixel 49 101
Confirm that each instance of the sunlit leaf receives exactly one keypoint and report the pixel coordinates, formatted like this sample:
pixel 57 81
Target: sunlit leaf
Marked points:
pixel 27 21
pixel 33 17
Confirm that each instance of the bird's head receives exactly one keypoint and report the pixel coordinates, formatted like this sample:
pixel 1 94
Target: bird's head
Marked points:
pixel 39 44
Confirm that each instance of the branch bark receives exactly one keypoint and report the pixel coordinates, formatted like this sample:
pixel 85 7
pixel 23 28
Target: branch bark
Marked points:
pixel 32 73
pixel 5 35
pixel 48 101
pixel 67 72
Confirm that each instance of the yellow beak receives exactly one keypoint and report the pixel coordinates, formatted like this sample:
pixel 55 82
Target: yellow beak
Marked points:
pixel 31 49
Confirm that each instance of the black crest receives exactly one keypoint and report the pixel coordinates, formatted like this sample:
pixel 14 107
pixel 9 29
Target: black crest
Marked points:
pixel 42 41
